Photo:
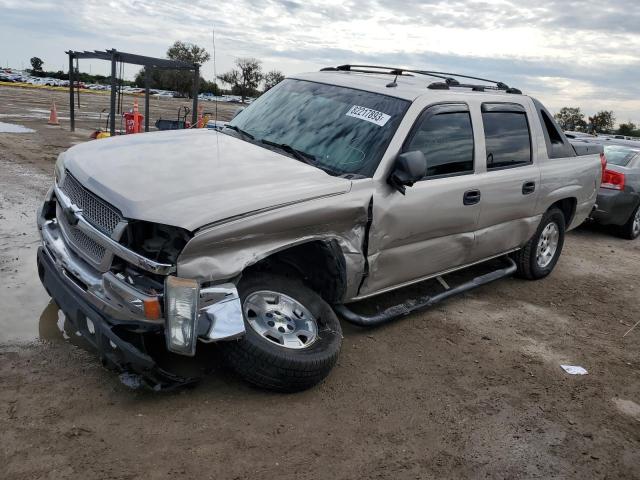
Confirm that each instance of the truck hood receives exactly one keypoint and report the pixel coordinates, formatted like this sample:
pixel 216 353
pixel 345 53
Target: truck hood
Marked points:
pixel 192 178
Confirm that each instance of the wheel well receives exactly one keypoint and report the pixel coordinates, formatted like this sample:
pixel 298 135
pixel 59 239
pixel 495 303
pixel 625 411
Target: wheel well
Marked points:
pixel 568 207
pixel 320 265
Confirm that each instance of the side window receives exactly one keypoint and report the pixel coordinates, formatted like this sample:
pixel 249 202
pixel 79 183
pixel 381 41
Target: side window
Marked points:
pixel 507 136
pixel 552 132
pixel 446 139
pixel 557 145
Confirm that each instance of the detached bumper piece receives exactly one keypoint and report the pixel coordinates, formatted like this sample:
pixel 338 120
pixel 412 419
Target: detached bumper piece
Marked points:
pixel 115 352
pixel 410 306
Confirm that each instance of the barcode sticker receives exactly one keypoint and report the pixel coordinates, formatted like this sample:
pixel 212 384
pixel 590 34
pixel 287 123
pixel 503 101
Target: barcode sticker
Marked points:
pixel 368 115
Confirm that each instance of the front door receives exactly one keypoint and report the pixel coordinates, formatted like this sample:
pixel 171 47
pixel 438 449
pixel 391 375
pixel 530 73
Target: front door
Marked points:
pixel 431 228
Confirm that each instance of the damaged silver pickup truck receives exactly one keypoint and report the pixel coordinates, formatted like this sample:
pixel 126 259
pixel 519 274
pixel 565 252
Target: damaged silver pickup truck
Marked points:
pixel 330 188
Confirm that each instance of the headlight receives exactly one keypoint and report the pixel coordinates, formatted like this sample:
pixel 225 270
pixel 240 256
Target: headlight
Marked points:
pixel 181 311
pixel 59 169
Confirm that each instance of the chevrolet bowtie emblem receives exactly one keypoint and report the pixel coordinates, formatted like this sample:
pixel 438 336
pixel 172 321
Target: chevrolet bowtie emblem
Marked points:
pixel 72 215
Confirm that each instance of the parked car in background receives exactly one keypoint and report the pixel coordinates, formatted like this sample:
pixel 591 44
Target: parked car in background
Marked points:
pixel 572 135
pixel 332 187
pixel 618 202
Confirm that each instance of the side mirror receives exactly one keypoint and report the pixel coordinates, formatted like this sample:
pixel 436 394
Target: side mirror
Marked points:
pixel 237 112
pixel 409 167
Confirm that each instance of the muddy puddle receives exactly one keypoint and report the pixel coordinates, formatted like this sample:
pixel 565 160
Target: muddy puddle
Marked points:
pixel 22 298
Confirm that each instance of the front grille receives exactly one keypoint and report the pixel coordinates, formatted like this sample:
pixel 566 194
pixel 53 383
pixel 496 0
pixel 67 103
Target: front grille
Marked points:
pixel 87 245
pixel 97 212
pixel 79 241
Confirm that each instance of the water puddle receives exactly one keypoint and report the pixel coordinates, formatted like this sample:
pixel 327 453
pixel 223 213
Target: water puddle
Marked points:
pixel 22 297
pixel 14 128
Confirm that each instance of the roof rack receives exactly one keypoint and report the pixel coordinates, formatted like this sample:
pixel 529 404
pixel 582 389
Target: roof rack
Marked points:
pixel 449 80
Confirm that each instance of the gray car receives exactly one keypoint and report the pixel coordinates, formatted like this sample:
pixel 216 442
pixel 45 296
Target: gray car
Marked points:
pixel 332 187
pixel 618 203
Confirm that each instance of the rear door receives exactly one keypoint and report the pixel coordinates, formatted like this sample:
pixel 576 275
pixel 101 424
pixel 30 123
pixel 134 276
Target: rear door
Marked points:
pixel 510 184
pixel 431 228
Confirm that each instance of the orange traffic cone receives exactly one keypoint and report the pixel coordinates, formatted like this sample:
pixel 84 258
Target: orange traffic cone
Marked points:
pixel 53 116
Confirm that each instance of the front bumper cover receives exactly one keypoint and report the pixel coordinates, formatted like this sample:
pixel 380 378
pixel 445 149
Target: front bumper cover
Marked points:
pixel 114 351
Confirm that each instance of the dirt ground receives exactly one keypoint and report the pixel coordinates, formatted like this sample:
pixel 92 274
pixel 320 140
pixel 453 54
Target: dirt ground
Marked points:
pixel 470 389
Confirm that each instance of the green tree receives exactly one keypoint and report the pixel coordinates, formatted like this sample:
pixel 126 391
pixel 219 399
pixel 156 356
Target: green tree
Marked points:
pixel 178 80
pixel 36 64
pixel 209 87
pixel 627 129
pixel 603 121
pixel 272 78
pixel 245 78
pixel 188 52
pixel 570 118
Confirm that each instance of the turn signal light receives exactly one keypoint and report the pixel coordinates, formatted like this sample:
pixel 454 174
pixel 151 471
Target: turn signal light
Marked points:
pixel 613 180
pixel 152 309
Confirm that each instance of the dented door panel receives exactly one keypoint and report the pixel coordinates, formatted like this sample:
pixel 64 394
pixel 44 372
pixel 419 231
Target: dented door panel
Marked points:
pixel 423 232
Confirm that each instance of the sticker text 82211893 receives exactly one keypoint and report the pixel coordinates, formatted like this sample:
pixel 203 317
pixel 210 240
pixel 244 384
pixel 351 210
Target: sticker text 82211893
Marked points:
pixel 369 115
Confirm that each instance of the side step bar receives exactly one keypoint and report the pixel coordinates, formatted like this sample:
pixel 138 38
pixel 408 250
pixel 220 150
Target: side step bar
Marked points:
pixel 421 303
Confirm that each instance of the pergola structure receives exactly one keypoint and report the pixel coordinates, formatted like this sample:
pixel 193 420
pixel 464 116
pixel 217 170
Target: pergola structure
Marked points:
pixel 149 64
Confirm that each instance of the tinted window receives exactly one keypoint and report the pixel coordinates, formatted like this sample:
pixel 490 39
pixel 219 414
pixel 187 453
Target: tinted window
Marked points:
pixel 339 129
pixel 507 139
pixel 446 139
pixel 552 132
pixel 619 155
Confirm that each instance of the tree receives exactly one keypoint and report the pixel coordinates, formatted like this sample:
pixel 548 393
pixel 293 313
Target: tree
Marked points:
pixel 179 80
pixel 627 129
pixel 570 118
pixel 245 78
pixel 603 121
pixel 209 87
pixel 272 78
pixel 188 52
pixel 36 64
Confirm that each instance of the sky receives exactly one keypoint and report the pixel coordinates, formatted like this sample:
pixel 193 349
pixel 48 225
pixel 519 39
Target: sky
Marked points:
pixel 563 52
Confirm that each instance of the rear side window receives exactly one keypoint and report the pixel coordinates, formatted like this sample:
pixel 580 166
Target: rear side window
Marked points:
pixel 445 137
pixel 507 136
pixel 552 132
pixel 557 144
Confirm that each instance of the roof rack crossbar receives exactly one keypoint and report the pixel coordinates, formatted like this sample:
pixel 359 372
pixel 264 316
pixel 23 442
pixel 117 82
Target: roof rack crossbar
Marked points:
pixel 446 76
pixel 500 85
pixel 392 70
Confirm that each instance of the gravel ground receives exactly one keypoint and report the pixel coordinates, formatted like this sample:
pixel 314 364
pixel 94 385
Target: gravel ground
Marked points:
pixel 470 389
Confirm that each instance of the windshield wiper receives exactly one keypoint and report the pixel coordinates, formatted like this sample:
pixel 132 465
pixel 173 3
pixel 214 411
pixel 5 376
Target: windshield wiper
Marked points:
pixel 304 157
pixel 297 154
pixel 240 131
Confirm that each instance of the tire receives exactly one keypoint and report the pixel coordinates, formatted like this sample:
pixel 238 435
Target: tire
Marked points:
pixel 266 364
pixel 530 265
pixel 631 229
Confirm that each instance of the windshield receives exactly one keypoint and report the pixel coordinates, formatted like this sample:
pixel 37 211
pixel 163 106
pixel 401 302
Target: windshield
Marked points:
pixel 337 129
pixel 619 155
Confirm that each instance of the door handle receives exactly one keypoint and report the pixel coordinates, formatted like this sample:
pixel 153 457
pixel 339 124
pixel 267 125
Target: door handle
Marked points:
pixel 471 197
pixel 528 187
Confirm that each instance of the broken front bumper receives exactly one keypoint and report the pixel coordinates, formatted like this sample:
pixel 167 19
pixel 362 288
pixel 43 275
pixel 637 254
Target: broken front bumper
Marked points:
pixel 111 304
pixel 101 333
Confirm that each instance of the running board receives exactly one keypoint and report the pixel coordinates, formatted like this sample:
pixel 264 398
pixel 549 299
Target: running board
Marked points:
pixel 421 303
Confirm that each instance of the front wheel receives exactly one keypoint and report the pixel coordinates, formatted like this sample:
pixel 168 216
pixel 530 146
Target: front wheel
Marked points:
pixel 539 256
pixel 292 338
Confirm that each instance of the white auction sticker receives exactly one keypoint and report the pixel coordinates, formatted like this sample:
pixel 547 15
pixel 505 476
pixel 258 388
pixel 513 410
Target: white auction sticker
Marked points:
pixel 369 115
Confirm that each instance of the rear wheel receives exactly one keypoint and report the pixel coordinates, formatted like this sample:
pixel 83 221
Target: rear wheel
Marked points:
pixel 539 256
pixel 292 338
pixel 631 229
